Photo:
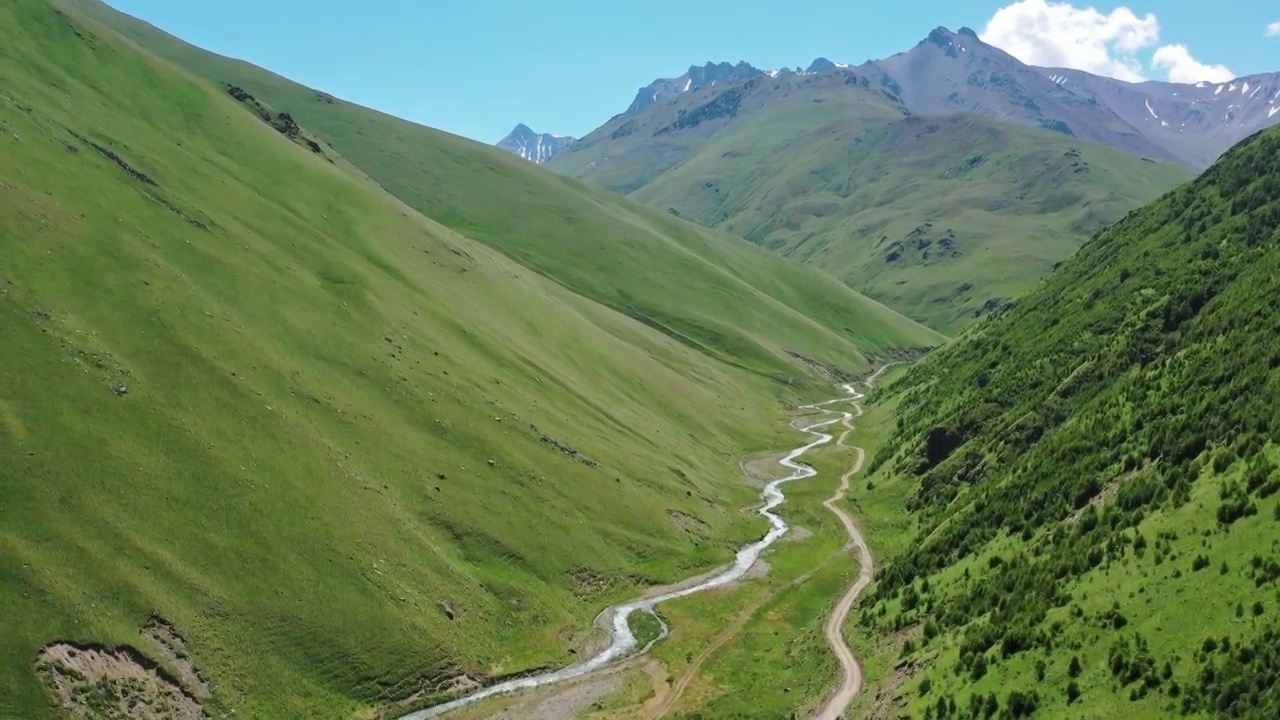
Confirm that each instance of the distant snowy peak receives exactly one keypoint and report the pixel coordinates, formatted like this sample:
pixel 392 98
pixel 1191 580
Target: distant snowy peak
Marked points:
pixel 695 79
pixel 534 146
pixel 824 65
pixel 1228 110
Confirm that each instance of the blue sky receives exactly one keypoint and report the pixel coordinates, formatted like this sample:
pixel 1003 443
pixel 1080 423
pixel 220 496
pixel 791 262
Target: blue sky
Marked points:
pixel 477 67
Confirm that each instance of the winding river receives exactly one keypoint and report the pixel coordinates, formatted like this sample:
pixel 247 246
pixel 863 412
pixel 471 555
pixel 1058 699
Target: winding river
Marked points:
pixel 614 620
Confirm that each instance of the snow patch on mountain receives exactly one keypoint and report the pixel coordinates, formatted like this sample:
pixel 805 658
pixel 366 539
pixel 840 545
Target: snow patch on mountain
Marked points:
pixel 534 146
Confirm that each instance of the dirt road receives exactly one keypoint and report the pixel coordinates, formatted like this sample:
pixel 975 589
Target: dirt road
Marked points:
pixel 851 680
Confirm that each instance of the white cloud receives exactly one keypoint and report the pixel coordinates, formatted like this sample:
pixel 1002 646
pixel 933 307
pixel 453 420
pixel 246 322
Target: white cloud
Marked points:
pixel 1273 29
pixel 1059 34
pixel 1182 68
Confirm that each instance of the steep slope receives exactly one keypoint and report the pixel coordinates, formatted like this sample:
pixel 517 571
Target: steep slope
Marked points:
pixel 350 454
pixel 1196 121
pixel 533 146
pixel 1092 477
pixel 710 290
pixel 940 218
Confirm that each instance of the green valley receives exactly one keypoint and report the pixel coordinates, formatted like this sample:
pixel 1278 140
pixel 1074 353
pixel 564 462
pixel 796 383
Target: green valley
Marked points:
pixel 1074 508
pixel 943 219
pixel 353 446
pixel 310 411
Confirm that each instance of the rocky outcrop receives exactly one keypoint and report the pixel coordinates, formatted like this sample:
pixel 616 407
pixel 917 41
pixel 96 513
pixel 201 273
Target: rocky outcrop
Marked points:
pixel 282 122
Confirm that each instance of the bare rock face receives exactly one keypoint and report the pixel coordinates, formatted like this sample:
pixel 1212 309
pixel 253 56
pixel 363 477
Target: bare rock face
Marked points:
pixel 697 78
pixel 1199 122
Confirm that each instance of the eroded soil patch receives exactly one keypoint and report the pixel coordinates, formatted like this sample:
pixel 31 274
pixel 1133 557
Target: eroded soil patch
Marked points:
pixel 689 524
pixel 166 642
pixel 111 684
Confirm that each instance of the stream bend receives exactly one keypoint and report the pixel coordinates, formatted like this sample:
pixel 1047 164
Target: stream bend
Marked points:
pixel 614 620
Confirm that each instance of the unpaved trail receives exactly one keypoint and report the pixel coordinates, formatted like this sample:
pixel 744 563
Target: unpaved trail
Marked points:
pixel 663 703
pixel 851 680
pixel 614 620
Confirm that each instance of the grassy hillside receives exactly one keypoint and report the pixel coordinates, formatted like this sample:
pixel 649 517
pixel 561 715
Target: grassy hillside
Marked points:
pixel 940 218
pixel 350 453
pixel 710 290
pixel 1092 480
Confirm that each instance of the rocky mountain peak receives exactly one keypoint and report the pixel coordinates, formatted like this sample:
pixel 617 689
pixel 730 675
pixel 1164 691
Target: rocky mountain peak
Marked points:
pixel 522 131
pixel 940 36
pixel 695 79
pixel 533 146
pixel 821 65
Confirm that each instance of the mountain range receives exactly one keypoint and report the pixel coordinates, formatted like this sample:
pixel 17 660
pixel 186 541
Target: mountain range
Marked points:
pixel 942 217
pixel 956 72
pixel 1194 122
pixel 942 181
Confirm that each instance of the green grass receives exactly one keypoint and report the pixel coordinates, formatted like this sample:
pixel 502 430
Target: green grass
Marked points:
pixel 1090 480
pixel 710 290
pixel 936 217
pixel 780 663
pixel 268 400
pixel 645 627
